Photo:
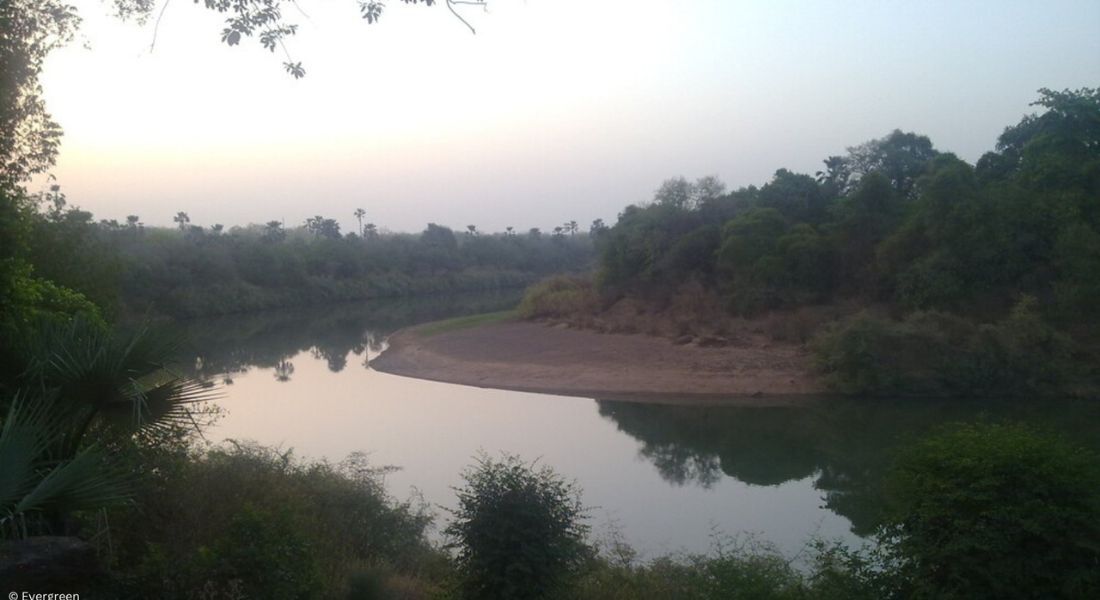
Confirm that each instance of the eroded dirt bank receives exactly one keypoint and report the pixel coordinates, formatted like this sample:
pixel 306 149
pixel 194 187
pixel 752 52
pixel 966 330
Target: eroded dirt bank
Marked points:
pixel 537 358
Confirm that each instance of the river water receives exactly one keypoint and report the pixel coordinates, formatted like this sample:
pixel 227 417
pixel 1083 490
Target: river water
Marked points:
pixel 665 479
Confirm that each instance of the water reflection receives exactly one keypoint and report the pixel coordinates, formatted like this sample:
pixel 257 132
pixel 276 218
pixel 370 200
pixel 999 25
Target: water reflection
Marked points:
pixel 228 346
pixel 845 445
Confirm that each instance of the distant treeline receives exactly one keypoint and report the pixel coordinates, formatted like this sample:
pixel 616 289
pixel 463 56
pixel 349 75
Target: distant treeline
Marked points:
pixel 128 268
pixel 975 273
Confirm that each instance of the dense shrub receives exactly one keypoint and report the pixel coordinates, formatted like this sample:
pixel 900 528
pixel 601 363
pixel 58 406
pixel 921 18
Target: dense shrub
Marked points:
pixel 738 569
pixel 940 354
pixel 256 521
pixel 519 530
pixel 996 511
pixel 559 296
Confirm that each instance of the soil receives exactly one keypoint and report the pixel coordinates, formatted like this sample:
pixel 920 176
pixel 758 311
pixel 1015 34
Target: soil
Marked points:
pixel 535 357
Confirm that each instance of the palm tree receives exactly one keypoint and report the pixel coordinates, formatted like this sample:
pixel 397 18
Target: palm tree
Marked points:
pixel 84 386
pixel 182 220
pixel 471 230
pixel 571 227
pixel 359 214
pixel 509 232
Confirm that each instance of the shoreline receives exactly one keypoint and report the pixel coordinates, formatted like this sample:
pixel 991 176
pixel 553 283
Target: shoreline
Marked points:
pixel 533 357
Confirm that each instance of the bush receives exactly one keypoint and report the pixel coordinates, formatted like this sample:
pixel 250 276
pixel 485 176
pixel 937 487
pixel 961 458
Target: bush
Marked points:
pixel 560 296
pixel 996 511
pixel 742 569
pixel 933 353
pixel 518 530
pixel 257 521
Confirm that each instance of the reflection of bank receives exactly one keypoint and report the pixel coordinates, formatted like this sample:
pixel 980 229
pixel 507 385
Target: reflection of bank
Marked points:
pixel 232 344
pixel 846 445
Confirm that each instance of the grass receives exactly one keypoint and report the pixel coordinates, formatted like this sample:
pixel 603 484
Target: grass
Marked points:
pixel 460 323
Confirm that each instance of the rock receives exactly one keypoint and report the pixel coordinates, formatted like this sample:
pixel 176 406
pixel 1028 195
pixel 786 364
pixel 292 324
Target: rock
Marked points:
pixel 561 326
pixel 49 564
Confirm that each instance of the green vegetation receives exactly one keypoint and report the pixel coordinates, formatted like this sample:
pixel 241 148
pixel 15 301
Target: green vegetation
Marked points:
pixel 995 511
pixel 259 523
pixel 947 249
pixel 558 296
pixel 518 530
pixel 193 271
pixel 934 353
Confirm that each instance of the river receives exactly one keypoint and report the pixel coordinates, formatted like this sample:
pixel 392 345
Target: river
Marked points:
pixel 665 479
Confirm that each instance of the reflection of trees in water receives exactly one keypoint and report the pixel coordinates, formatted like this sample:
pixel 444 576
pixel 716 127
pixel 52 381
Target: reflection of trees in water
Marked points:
pixel 230 345
pixel 283 370
pixel 846 445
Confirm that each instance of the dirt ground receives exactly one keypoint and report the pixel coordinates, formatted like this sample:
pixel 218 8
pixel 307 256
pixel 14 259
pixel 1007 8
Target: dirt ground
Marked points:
pixel 538 358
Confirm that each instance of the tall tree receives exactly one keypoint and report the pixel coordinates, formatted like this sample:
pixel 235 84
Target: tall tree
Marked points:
pixel 359 214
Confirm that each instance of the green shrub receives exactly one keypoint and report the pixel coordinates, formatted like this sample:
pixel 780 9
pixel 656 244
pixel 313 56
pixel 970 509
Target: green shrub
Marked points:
pixel 933 353
pixel 261 522
pixel 995 511
pixel 558 297
pixel 746 570
pixel 518 530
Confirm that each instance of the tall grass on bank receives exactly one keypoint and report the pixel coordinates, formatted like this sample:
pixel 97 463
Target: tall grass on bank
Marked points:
pixel 560 296
pixel 248 521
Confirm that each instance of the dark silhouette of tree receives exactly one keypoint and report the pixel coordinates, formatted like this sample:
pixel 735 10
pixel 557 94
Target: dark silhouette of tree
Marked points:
pixel 133 221
pixel 359 214
pixel 509 231
pixel 182 220
pixel 571 227
pixel 370 231
pixel 322 227
pixel 534 233
pixel 274 232
pixel 471 230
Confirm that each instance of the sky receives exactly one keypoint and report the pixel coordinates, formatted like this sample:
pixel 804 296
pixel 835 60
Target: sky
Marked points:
pixel 556 110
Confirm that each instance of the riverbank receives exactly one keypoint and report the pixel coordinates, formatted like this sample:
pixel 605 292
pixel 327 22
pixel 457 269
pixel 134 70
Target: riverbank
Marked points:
pixel 534 357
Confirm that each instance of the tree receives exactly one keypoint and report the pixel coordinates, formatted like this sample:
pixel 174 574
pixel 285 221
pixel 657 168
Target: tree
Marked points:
pixel 182 220
pixel 471 231
pixel 264 20
pixel 996 511
pixel 359 214
pixel 519 530
pixel 900 157
pixel 274 232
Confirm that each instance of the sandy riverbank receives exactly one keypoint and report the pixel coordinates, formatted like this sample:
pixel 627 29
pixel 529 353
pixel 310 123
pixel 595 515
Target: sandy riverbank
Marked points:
pixel 536 358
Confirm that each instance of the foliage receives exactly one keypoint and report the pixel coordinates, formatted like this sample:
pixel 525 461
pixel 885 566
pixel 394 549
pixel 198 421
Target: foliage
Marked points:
pixel 132 269
pixel 996 511
pixel 738 568
pixel 260 521
pixel 37 484
pixel 558 296
pixel 898 224
pixel 940 354
pixel 518 530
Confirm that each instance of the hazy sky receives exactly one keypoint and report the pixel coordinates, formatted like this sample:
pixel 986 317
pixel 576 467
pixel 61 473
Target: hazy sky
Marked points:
pixel 555 110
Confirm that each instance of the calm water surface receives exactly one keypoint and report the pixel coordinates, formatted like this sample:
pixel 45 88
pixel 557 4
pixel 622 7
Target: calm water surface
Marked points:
pixel 666 478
